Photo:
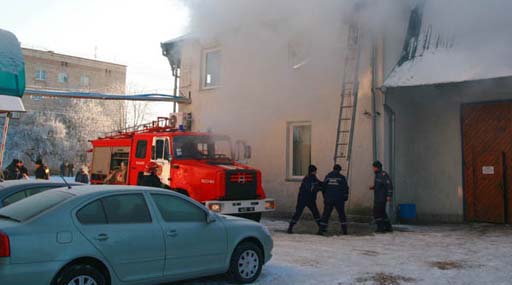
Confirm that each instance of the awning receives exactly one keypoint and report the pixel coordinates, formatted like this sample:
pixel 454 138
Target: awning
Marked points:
pixel 12 73
pixel 455 41
pixel 11 104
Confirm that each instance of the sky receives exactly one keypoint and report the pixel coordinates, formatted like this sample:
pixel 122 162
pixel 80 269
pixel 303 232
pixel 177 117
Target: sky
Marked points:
pixel 128 32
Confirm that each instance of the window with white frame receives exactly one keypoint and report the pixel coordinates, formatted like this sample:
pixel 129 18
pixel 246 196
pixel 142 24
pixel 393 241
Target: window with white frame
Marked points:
pixel 62 77
pixel 211 68
pixel 299 149
pixel 84 81
pixel 40 75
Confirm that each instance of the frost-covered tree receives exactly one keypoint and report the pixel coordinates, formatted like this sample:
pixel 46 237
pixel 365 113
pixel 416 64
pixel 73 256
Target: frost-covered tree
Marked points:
pixel 36 135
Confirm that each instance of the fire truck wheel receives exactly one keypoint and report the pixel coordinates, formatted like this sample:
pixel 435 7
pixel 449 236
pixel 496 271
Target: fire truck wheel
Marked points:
pixel 246 263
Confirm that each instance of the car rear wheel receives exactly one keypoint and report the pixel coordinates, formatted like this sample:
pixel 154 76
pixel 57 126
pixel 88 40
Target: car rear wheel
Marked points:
pixel 246 263
pixel 80 274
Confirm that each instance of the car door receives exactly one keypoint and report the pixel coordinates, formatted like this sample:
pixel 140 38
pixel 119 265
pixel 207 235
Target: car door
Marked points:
pixel 139 158
pixel 193 245
pixel 121 228
pixel 162 156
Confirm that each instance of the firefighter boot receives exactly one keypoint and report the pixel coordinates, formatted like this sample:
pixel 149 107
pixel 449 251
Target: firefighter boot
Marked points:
pixel 290 228
pixel 344 229
pixel 322 230
pixel 388 227
pixel 380 227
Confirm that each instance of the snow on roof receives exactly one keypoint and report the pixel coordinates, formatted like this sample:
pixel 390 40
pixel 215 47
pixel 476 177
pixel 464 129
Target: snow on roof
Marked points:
pixel 455 41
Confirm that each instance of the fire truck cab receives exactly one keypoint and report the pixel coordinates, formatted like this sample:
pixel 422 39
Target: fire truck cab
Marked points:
pixel 199 165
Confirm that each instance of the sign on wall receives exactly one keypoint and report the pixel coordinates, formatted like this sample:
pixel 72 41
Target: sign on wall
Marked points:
pixel 488 170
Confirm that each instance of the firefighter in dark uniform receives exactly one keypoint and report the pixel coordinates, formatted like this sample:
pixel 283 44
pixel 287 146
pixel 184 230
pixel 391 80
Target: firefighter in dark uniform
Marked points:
pixel 42 172
pixel 383 191
pixel 150 177
pixel 307 197
pixel 335 196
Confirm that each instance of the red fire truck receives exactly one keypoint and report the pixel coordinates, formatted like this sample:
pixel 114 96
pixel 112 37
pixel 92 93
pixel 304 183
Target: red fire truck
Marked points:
pixel 199 165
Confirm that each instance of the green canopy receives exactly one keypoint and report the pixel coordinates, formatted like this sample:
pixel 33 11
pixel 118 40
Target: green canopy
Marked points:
pixel 12 73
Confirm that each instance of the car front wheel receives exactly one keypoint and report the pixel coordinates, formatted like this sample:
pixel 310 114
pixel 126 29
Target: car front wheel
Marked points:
pixel 246 263
pixel 80 275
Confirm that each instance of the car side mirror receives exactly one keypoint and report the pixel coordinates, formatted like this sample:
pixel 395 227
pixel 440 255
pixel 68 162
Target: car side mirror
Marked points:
pixel 210 218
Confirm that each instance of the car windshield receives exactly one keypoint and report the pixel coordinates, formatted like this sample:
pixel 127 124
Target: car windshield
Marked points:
pixel 202 147
pixel 34 205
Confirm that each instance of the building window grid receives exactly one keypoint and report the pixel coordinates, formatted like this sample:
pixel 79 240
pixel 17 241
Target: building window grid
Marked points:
pixel 62 77
pixel 40 75
pixel 85 81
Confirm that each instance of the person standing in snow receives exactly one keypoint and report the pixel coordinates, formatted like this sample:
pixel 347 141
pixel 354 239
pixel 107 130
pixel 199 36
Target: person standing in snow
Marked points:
pixel 335 196
pixel 307 198
pixel 383 191
pixel 81 176
pixel 71 168
pixel 13 172
pixel 42 172
pixel 63 167
pixel 23 170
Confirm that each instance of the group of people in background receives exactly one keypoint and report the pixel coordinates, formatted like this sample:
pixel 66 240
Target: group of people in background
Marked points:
pixel 67 169
pixel 335 191
pixel 16 170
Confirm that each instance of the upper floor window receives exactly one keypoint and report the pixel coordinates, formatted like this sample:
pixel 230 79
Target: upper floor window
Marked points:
pixel 211 68
pixel 40 75
pixel 84 81
pixel 63 77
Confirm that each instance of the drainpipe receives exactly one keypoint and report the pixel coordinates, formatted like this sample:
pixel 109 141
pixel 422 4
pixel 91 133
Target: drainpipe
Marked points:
pixel 392 154
pixel 374 103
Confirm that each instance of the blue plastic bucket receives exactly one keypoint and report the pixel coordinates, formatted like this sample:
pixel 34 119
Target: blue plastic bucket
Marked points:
pixel 407 211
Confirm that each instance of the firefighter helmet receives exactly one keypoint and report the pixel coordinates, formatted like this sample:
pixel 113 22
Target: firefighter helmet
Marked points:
pixel 151 166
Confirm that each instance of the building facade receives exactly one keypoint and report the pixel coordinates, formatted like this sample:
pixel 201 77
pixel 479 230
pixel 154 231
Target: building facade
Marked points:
pixel 420 76
pixel 47 70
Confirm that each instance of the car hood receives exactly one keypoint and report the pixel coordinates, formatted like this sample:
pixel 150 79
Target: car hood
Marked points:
pixel 232 219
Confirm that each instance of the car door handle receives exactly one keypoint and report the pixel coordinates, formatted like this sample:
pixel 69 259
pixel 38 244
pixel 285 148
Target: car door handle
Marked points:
pixel 101 237
pixel 172 233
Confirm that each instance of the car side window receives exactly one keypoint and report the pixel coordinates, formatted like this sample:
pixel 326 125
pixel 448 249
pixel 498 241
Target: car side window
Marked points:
pixel 92 214
pixel 37 190
pixel 176 210
pixel 126 209
pixel 140 150
pixel 14 198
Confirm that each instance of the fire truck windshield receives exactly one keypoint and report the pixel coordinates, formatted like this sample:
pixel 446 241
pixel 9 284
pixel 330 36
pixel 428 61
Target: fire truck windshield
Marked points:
pixel 202 147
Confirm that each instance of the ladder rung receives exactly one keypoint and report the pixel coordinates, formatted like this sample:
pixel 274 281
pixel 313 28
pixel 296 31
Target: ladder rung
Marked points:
pixel 345 132
pixel 345 119
pixel 348 106
pixel 343 144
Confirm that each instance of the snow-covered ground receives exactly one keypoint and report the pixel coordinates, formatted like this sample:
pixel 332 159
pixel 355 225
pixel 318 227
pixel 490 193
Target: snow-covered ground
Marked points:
pixel 446 254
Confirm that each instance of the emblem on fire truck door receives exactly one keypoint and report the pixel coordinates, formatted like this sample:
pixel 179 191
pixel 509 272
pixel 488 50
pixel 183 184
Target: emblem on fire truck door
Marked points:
pixel 241 179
